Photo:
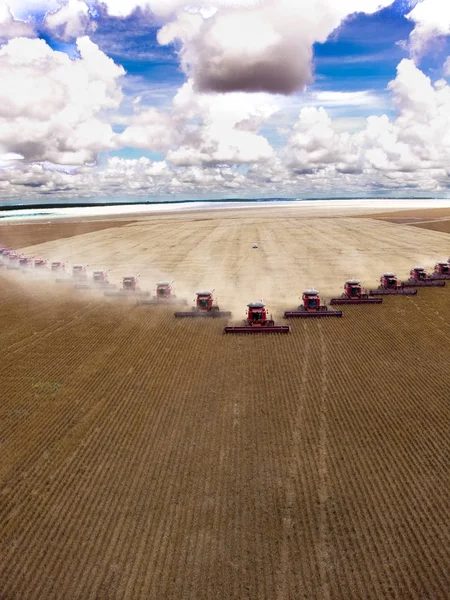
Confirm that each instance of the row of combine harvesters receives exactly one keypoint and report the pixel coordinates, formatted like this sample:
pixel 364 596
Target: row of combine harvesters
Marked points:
pixel 257 317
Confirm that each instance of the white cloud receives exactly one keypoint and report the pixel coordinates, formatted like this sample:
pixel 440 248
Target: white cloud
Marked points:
pixel 265 47
pixel 10 27
pixel 70 21
pixel 431 19
pixel 50 106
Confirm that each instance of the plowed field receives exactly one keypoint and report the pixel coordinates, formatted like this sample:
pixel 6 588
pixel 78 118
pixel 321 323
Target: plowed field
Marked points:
pixel 145 457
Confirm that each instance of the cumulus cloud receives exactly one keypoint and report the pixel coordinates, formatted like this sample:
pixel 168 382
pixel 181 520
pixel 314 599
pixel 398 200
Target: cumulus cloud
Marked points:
pixel 204 129
pixel 50 106
pixel 70 21
pixel 10 27
pixel 431 19
pixel 262 47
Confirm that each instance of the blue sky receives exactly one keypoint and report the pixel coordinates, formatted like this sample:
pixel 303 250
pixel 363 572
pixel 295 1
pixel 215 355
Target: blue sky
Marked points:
pixel 321 104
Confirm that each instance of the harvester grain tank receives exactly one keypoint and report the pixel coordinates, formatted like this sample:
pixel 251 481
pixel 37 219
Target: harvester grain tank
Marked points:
pixel 130 287
pixel 441 271
pixel 163 295
pixel 257 321
pixel 204 307
pixel 312 307
pixel 389 286
pixel 418 277
pixel 355 294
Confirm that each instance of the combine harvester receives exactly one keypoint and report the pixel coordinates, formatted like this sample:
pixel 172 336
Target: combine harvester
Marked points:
pixel 79 273
pixel 41 264
pixel 257 321
pixel 355 294
pixel 418 278
pixel 99 280
pixel 389 286
pixel 14 261
pixel 26 263
pixel 441 271
pixel 57 266
pixel 129 288
pixel 312 307
pixel 163 295
pixel 204 307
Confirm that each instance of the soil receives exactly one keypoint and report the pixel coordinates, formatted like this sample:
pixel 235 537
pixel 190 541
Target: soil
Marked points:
pixel 146 457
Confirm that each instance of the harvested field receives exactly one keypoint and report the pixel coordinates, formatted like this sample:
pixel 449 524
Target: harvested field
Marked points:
pixel 147 457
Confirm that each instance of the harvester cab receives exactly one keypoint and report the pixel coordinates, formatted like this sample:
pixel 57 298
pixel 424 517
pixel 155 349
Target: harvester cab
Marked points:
pixel 257 321
pixel 354 294
pixel 100 277
pixel 352 288
pixel 205 302
pixel 164 290
pixel 130 283
pixel 418 274
pixel 389 281
pixel 312 307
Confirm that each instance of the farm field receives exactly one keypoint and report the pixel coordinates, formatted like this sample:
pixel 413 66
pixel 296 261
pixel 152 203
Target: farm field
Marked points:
pixel 148 457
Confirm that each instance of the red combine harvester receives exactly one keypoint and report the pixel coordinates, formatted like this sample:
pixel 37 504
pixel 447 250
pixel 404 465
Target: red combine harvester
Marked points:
pixel 99 280
pixel 25 262
pixel 40 263
pixel 204 307
pixel 58 266
pixel 163 295
pixel 14 261
pixel 129 288
pixel 312 307
pixel 79 273
pixel 257 321
pixel 389 286
pixel 418 278
pixel 355 294
pixel 441 271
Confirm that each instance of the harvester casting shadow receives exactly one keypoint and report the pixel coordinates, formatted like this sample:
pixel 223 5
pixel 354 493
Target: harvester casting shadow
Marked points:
pixel 163 295
pixel 312 307
pixel 389 286
pixel 418 277
pixel 204 307
pixel 129 288
pixel 257 321
pixel 355 294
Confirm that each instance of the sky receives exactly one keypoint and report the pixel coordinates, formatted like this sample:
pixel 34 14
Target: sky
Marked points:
pixel 159 100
